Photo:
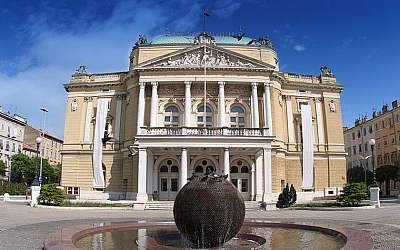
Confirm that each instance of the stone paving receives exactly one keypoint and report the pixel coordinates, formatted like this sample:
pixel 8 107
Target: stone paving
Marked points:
pixel 23 227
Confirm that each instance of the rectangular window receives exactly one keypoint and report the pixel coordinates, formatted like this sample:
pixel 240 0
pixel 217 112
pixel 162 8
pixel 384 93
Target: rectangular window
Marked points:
pixel 73 190
pixel 359 148
pixel 353 135
pixel 370 129
pixel 233 119
pixel 365 147
pixel 349 151
pixel 385 141
pixel 365 131
pixel 244 185
pixel 354 150
pixel 383 124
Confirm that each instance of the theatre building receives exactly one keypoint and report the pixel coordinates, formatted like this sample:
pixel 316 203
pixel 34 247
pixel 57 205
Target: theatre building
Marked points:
pixel 192 103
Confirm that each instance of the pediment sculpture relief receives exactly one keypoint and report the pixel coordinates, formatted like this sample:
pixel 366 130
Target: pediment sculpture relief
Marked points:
pixel 208 57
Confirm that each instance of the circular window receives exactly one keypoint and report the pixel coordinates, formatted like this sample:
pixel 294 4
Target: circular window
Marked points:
pixel 239 163
pixel 169 162
pixel 204 162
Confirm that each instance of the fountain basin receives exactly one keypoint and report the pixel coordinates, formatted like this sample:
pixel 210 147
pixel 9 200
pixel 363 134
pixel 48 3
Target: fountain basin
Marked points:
pixel 66 238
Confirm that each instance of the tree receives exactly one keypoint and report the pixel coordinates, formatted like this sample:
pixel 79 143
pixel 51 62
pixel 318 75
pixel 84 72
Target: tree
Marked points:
pixel 357 174
pixel 2 168
pixel 23 166
pixel 386 173
pixel 51 195
pixel 287 198
pixel 353 193
pixel 51 174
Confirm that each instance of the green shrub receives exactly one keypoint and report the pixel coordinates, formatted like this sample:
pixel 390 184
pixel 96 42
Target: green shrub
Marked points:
pixel 353 193
pixel 287 198
pixel 51 195
pixel 12 188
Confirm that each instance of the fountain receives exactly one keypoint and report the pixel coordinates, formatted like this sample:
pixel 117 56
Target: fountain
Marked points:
pixel 209 210
pixel 209 213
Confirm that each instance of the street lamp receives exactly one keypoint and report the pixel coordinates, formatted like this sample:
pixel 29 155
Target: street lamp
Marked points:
pixel 41 151
pixel 35 180
pixel 371 142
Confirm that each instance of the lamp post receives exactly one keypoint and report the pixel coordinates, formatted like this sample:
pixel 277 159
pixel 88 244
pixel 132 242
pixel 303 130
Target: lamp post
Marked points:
pixel 371 142
pixel 374 189
pixel 41 151
pixel 35 179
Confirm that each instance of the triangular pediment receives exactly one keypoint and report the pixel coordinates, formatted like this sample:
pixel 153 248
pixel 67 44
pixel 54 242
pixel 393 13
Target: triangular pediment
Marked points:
pixel 199 55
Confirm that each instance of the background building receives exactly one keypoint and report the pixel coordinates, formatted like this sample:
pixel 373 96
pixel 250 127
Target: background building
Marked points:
pixel 197 102
pixel 50 148
pixel 12 129
pixel 384 127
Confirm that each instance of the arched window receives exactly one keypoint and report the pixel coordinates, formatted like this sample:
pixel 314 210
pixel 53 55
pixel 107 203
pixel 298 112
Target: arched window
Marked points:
pixel 237 117
pixel 244 169
pixel 234 169
pixel 164 169
pixel 200 117
pixel 171 116
pixel 198 169
pixel 174 169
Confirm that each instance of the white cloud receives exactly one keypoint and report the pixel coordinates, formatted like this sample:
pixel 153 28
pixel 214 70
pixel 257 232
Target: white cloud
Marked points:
pixel 299 48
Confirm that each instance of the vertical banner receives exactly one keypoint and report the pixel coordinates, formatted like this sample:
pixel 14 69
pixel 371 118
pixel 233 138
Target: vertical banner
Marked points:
pixel 308 147
pixel 101 116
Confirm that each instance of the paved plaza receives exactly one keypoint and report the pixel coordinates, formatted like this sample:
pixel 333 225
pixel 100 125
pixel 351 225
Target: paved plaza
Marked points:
pixel 23 227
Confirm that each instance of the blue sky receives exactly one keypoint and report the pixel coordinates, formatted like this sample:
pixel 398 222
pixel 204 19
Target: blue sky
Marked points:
pixel 44 42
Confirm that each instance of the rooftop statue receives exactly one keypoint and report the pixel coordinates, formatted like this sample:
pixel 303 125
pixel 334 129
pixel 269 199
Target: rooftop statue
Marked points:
pixel 81 71
pixel 142 40
pixel 262 41
pixel 325 71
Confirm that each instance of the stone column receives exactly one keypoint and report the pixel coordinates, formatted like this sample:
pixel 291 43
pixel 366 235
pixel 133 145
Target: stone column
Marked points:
pixel 118 118
pixel 289 115
pixel 254 104
pixel 221 104
pixel 141 106
pixel 320 128
pixel 155 179
pixel 267 174
pixel 187 104
pixel 253 181
pixel 184 168
pixel 268 111
pixel 149 182
pixel 154 103
pixel 88 119
pixel 142 178
pixel 226 163
pixel 259 176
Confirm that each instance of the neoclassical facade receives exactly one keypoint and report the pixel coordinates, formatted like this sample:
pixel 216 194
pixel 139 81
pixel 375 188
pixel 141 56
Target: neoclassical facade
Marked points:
pixel 197 103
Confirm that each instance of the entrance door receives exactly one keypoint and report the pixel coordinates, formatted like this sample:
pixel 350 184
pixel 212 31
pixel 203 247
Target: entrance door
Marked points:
pixel 168 188
pixel 240 177
pixel 169 181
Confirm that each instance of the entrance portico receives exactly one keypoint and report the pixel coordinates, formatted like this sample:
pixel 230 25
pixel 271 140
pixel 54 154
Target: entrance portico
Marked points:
pixel 165 169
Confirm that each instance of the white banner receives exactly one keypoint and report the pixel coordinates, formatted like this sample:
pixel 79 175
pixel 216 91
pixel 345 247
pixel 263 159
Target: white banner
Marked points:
pixel 308 147
pixel 101 116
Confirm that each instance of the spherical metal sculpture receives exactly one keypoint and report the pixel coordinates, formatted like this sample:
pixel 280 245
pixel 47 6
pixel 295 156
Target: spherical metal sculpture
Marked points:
pixel 209 210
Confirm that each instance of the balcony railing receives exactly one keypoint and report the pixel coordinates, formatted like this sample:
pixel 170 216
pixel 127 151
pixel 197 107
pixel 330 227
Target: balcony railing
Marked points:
pixel 204 131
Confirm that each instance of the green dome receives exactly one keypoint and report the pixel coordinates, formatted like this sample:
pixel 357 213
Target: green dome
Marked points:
pixel 190 39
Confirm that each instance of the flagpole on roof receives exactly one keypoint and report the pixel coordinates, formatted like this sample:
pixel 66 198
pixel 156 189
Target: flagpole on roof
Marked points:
pixel 205 14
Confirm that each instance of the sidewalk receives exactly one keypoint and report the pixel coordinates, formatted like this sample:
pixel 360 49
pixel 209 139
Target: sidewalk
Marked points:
pixel 23 227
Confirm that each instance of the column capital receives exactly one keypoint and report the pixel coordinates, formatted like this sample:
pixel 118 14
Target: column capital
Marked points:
pixel 188 84
pixel 254 84
pixel 318 99
pixel 221 84
pixel 267 84
pixel 88 98
pixel 142 85
pixel 287 97
pixel 154 84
